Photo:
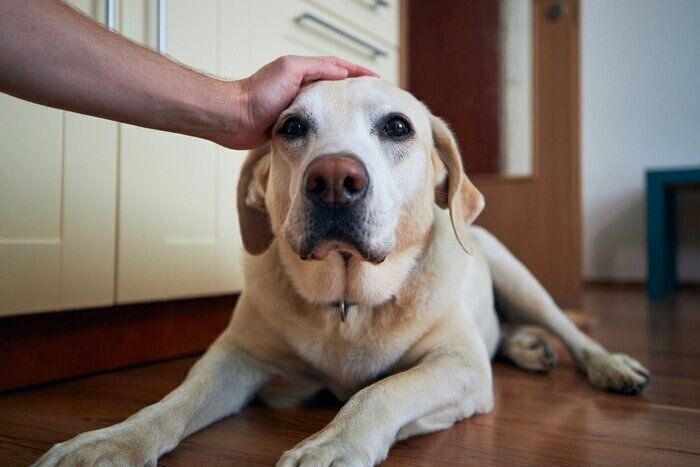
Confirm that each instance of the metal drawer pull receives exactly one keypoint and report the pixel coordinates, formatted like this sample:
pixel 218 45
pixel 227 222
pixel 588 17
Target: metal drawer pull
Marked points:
pixel 381 3
pixel 377 52
pixel 160 26
pixel 111 7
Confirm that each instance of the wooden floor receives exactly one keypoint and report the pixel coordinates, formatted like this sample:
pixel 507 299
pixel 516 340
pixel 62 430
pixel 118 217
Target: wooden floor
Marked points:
pixel 553 419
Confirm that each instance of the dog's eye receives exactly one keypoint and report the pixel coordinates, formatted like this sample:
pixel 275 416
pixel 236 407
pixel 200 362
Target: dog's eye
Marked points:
pixel 293 128
pixel 397 128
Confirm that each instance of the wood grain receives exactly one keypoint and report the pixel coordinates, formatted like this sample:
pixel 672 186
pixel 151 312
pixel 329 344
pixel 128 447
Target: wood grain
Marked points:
pixel 539 217
pixel 51 346
pixel 452 61
pixel 454 54
pixel 538 420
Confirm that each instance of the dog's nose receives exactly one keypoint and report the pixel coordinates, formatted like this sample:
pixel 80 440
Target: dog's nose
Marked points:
pixel 334 181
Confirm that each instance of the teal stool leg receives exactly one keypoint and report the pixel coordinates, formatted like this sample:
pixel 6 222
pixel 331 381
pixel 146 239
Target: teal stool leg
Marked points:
pixel 661 238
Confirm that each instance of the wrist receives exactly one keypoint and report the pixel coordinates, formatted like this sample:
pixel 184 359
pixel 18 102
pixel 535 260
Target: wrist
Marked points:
pixel 228 108
pixel 203 111
pixel 225 102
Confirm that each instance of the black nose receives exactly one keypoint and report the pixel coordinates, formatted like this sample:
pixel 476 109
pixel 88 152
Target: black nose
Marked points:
pixel 336 181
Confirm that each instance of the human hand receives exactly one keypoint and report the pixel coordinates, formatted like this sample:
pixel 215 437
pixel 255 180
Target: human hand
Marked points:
pixel 261 98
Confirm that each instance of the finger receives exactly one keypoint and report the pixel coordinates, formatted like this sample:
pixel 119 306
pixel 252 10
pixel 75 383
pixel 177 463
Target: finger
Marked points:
pixel 354 70
pixel 314 69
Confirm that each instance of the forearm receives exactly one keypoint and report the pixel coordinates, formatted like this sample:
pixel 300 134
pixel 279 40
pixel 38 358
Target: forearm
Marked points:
pixel 220 384
pixel 446 386
pixel 52 54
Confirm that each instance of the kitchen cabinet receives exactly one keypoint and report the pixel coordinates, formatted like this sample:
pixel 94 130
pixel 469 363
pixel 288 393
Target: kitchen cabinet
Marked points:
pixel 97 213
pixel 58 173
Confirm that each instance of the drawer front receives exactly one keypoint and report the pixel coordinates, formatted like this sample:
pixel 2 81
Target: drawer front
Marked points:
pixel 315 30
pixel 378 19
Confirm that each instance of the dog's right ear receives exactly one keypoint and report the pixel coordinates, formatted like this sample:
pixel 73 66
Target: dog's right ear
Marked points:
pixel 256 230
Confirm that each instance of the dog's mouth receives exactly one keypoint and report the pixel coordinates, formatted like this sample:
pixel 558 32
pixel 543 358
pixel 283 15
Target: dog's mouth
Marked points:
pixel 345 233
pixel 321 249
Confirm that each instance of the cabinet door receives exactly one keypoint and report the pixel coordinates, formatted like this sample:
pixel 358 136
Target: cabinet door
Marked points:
pixel 57 207
pixel 178 234
pixel 265 30
pixel 378 19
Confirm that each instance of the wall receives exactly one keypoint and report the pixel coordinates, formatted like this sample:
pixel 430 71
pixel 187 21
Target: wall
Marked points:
pixel 640 62
pixel 515 29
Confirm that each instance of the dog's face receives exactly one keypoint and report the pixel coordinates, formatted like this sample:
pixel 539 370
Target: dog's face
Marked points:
pixel 348 159
pixel 351 176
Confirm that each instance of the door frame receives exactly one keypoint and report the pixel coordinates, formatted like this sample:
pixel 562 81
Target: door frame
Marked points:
pixel 549 201
pixel 539 216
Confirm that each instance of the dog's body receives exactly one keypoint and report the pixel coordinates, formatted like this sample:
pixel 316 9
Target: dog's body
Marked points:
pixel 367 290
pixel 373 341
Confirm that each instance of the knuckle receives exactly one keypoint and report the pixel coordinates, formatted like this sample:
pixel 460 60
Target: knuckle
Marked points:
pixel 331 61
pixel 283 62
pixel 286 61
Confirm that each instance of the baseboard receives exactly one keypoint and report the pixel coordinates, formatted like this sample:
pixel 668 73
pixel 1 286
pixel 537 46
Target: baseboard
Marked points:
pixel 610 284
pixel 48 347
pixel 634 285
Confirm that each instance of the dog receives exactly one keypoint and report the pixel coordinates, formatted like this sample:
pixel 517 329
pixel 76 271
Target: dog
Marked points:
pixel 363 273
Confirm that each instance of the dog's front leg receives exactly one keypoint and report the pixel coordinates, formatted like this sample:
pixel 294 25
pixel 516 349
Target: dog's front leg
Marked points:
pixel 446 386
pixel 219 384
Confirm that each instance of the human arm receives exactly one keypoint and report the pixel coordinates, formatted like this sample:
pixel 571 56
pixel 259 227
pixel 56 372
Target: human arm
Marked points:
pixel 53 55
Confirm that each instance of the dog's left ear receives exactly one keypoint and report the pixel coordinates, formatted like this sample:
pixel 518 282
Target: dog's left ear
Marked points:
pixel 455 191
pixel 256 230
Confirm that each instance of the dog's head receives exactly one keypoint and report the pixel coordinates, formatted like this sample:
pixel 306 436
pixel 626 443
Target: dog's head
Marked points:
pixel 351 176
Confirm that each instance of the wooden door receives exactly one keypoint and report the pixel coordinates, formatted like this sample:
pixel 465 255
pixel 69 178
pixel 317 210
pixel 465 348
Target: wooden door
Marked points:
pixel 452 66
pixel 57 205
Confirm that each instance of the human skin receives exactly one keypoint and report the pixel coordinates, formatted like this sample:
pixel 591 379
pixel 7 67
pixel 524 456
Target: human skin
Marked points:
pixel 54 55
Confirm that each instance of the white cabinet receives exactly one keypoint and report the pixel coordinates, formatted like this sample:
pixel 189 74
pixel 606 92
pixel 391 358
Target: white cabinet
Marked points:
pixel 57 207
pixel 362 31
pixel 305 27
pixel 376 19
pixel 178 234
pixel 95 213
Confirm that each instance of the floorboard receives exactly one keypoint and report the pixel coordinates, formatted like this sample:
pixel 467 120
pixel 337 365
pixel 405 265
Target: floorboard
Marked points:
pixel 552 419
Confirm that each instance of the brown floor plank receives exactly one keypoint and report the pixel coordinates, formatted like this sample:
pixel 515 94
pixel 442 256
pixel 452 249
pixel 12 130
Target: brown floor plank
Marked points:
pixel 552 419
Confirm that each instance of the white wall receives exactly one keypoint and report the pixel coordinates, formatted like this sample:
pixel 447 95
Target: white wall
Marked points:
pixel 515 24
pixel 640 63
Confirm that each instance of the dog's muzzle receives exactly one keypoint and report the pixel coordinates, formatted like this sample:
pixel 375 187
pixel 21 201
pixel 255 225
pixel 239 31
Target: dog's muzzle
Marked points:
pixel 334 187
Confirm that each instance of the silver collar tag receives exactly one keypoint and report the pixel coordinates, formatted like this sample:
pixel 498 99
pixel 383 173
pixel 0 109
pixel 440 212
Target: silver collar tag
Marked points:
pixel 343 305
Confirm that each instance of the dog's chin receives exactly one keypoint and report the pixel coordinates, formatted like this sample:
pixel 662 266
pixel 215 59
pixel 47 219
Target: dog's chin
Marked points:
pixel 321 249
pixel 337 269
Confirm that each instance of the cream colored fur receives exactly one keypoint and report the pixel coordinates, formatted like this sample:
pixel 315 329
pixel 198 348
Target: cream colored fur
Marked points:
pixel 414 354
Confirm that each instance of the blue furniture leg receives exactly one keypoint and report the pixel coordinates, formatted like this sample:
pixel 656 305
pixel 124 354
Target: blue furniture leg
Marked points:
pixel 661 237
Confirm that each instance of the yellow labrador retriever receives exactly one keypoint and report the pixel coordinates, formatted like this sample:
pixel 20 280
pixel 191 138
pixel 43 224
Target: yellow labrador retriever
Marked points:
pixel 363 274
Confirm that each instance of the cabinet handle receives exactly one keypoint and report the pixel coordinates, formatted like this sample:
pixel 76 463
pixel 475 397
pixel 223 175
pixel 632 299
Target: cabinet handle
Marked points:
pixel 111 8
pixel 161 7
pixel 383 3
pixel 376 51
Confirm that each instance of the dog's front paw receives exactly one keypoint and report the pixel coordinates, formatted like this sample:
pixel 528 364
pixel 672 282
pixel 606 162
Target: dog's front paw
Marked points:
pixel 101 447
pixel 328 448
pixel 617 373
